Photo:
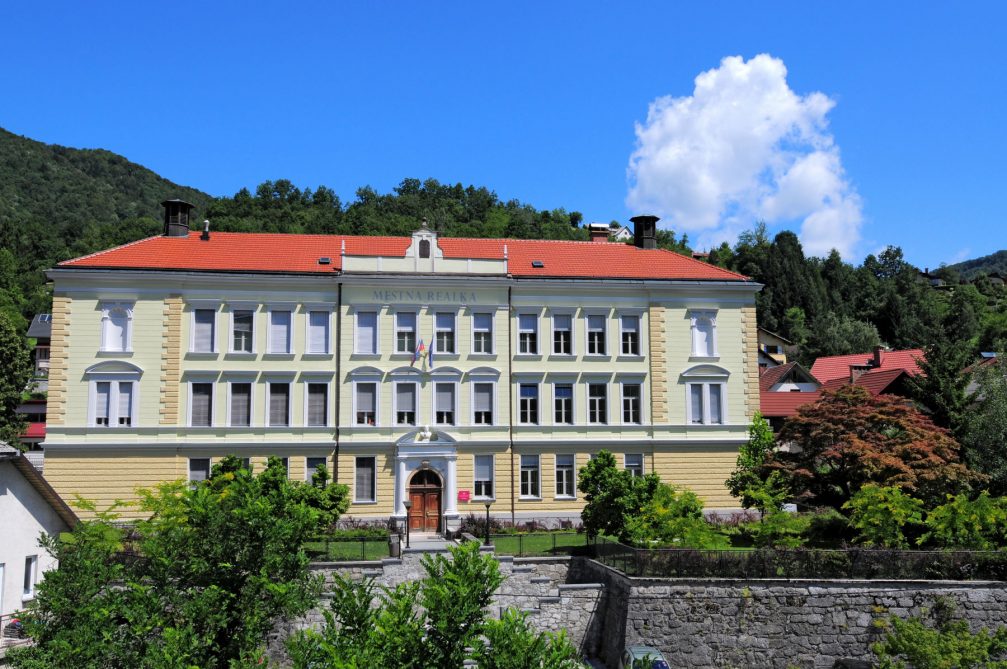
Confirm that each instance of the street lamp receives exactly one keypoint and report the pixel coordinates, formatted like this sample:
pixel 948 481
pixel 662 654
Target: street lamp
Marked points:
pixel 408 504
pixel 488 542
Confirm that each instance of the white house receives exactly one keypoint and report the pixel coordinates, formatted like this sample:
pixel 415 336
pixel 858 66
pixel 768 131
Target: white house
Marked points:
pixel 28 507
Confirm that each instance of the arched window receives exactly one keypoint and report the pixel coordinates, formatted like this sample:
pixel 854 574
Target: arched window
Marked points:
pixel 424 248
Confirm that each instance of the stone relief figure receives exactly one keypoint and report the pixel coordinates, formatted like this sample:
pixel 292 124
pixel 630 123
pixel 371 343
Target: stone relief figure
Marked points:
pixel 424 434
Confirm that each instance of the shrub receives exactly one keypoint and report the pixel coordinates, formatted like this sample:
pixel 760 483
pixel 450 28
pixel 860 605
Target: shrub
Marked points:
pixel 911 643
pixel 827 528
pixel 978 524
pixel 674 519
pixel 612 496
pixel 880 514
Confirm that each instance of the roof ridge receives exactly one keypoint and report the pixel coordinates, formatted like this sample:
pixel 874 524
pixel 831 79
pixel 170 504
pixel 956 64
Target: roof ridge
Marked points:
pixel 114 248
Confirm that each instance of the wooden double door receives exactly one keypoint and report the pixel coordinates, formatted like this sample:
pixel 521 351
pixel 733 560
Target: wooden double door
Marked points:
pixel 425 494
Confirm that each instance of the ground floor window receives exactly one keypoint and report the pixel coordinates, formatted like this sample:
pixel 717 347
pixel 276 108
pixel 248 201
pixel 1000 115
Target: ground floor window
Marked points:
pixel 30 569
pixel 530 478
pixel 311 464
pixel 199 469
pixel 634 463
pixel 484 476
pixel 565 476
pixel 364 479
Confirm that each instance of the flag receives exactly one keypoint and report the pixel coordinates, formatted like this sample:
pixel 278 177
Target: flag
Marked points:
pixel 430 355
pixel 418 353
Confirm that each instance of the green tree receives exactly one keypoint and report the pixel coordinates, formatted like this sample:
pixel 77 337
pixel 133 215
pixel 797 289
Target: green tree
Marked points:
pixel 440 621
pixel 674 518
pixel 945 645
pixel 962 522
pixel 881 514
pixel 612 496
pixel 775 527
pixel 984 427
pixel 751 459
pixel 15 376
pixel 838 335
pixel 199 582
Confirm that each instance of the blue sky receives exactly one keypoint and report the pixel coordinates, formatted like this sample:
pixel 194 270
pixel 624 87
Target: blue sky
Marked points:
pixel 865 124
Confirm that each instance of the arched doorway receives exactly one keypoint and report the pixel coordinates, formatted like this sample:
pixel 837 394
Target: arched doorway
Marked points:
pixel 425 490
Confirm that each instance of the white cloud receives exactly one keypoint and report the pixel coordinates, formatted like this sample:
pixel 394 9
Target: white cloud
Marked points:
pixel 741 148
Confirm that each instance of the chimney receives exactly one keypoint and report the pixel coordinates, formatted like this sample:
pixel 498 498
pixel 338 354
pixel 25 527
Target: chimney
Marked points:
pixel 176 218
pixel 645 231
pixel 206 231
pixel 879 355
pixel 599 232
pixel 856 371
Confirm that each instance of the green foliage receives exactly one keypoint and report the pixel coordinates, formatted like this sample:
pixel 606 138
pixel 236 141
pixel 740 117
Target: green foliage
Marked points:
pixel 984 427
pixel 15 376
pixel 674 518
pixel 995 263
pixel 977 524
pixel 776 527
pixel 836 334
pixel 200 582
pixel 751 458
pixel 913 644
pixel 438 622
pixel 612 496
pixel 880 514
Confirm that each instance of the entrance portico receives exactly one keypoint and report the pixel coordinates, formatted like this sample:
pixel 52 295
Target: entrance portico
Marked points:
pixel 424 449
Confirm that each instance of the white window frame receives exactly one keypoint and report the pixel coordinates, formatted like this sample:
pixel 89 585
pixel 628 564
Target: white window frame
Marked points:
pixel 472 318
pixel 377 330
pixel 310 471
pixel 251 400
pixel 536 331
pixel 269 329
pixel 188 473
pixel 234 309
pixel 395 403
pixel 639 333
pixel 396 330
pixel 434 382
pixel 290 401
pixel 538 402
pixel 573 336
pixel 622 398
pixel 587 334
pixel 608 401
pixel 706 418
pixel 695 316
pixel 492 479
pixel 454 330
pixel 113 381
pixel 106 309
pixel 538 468
pixel 493 401
pixel 573 469
pixel 323 380
pixel 213 402
pixel 308 310
pixel 377 403
pixel 214 333
pixel 643 463
pixel 573 401
pixel 30 576
pixel 374 480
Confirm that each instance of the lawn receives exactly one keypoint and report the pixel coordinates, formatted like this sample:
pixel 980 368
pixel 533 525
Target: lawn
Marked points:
pixel 347 549
pixel 539 543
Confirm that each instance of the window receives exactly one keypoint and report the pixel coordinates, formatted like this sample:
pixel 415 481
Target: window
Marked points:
pixel 279 332
pixel 367 333
pixel 102 409
pixel 114 404
pixel 630 326
pixel 318 404
pixel 242 324
pixel 444 403
pixel 241 404
pixel 706 403
pixel 563 403
pixel 405 404
pixel 318 331
pixel 201 405
pixel 482 333
pixel 527 334
pixel 529 476
pixel 204 323
pixel 279 404
pixel 596 335
pixel 631 403
pixel 125 414
pixel 405 332
pixel 364 480
pixel 482 403
pixel 483 477
pixel 565 476
pixel 704 334
pixel 199 469
pixel 30 575
pixel 597 403
pixel 634 464
pixel 116 330
pixel 311 465
pixel 562 334
pixel 444 333
pixel 366 404
pixel 528 403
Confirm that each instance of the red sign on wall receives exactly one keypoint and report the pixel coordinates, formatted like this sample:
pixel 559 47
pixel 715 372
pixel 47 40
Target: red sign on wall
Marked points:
pixel 464 495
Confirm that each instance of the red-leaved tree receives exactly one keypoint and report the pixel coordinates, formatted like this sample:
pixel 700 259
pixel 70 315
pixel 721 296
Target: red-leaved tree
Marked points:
pixel 850 438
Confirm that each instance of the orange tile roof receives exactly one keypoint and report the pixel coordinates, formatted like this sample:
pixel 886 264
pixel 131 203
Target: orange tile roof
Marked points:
pixel 299 254
pixel 875 381
pixel 785 405
pixel 838 366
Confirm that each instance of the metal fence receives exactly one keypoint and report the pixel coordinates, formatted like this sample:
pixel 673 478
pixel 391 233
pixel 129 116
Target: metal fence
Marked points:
pixel 813 563
pixel 539 544
pixel 335 549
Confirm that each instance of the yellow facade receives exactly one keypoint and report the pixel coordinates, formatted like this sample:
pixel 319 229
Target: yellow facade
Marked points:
pixel 694 405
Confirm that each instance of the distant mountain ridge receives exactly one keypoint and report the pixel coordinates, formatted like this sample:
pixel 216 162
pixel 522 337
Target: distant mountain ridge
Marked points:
pixel 994 263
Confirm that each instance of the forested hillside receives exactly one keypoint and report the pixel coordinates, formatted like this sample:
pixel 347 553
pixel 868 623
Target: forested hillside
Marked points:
pixel 995 263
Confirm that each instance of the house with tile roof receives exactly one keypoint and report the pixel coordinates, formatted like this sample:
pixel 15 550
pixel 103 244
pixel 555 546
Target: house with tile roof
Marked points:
pixel 431 375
